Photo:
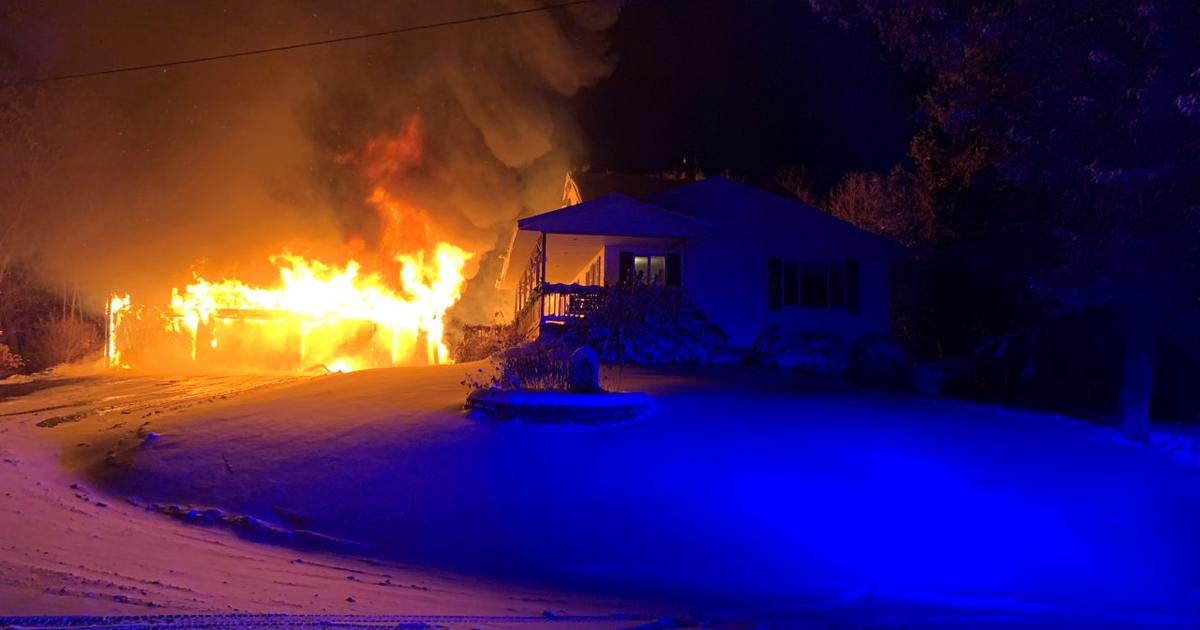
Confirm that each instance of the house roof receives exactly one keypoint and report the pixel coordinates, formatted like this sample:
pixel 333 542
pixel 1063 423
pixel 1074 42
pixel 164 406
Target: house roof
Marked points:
pixel 595 185
pixel 616 215
pixel 723 202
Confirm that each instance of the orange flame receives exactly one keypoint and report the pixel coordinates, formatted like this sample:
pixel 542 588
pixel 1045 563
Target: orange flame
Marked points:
pixel 338 317
pixel 118 308
pixel 323 314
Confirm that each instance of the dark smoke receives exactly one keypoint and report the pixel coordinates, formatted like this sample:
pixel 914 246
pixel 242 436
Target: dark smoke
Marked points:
pixel 131 179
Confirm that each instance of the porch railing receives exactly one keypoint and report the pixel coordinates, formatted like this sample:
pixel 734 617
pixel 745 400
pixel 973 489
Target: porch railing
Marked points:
pixel 563 303
pixel 559 304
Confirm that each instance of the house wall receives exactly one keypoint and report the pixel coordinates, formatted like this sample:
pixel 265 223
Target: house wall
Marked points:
pixel 612 258
pixel 727 279
pixel 582 276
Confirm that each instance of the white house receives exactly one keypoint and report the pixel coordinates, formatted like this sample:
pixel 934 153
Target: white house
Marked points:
pixel 745 257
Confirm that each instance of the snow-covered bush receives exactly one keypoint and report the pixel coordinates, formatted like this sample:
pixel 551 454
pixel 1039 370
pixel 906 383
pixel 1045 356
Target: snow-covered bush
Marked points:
pixel 636 325
pixel 932 378
pixel 649 326
pixel 805 351
pixel 543 364
pixel 878 360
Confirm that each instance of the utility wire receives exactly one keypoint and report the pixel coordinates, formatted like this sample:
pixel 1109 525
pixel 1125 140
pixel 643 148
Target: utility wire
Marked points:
pixel 323 42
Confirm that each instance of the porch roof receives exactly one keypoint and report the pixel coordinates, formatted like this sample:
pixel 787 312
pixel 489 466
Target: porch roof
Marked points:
pixel 613 215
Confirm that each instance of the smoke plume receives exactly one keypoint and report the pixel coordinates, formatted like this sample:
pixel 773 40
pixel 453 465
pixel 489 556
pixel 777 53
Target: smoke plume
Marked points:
pixel 365 148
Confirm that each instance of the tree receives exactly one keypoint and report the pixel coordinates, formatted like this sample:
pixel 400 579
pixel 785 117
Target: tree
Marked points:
pixel 797 181
pixel 1075 119
pixel 888 205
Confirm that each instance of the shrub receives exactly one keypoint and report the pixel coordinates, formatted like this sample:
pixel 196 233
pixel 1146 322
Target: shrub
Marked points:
pixel 10 362
pixel 544 364
pixel 649 326
pixel 810 352
pixel 638 325
pixel 877 360
pixel 475 343
pixel 62 340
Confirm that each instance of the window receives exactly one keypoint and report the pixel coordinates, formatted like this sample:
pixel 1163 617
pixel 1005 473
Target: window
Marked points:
pixel 814 285
pixel 641 269
pixel 852 286
pixel 655 271
pixel 837 285
pixel 658 271
pixel 593 274
pixel 791 292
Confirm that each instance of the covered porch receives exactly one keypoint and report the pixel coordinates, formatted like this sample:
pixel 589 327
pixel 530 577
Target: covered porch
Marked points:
pixel 560 262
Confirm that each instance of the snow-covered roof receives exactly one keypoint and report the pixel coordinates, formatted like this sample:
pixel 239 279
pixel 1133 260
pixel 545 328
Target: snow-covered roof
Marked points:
pixel 726 203
pixel 615 215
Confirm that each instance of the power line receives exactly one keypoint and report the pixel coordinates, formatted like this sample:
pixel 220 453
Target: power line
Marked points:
pixel 323 42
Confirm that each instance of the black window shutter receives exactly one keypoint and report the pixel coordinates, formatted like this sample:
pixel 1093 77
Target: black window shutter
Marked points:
pixel 626 268
pixel 852 285
pixel 774 282
pixel 674 270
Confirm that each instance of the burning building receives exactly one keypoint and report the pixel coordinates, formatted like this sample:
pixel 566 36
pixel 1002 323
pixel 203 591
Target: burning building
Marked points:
pixel 315 314
pixel 337 317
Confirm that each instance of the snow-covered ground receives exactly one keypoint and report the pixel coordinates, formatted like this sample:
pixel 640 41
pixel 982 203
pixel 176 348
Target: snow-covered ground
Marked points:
pixel 69 546
pixel 742 495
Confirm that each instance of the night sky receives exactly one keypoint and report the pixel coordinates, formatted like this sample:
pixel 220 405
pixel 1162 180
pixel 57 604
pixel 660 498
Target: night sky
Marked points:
pixel 746 86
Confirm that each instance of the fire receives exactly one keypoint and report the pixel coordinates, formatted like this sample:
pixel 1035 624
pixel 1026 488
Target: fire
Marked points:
pixel 316 314
pixel 117 309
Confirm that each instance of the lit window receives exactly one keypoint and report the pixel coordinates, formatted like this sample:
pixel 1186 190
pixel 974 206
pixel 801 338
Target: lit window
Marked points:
pixel 641 269
pixel 658 271
pixel 650 270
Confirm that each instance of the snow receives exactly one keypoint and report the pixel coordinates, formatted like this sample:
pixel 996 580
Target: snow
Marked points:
pixel 741 494
pixel 69 547
pixel 552 406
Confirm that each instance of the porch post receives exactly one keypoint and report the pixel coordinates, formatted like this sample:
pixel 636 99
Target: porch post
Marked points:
pixel 541 288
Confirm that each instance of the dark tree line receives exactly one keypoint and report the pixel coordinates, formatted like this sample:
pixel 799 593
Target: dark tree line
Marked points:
pixel 1057 166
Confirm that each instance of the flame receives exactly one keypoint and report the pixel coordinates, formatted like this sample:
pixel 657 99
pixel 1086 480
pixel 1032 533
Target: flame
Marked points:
pixel 320 314
pixel 118 308
pixel 339 317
